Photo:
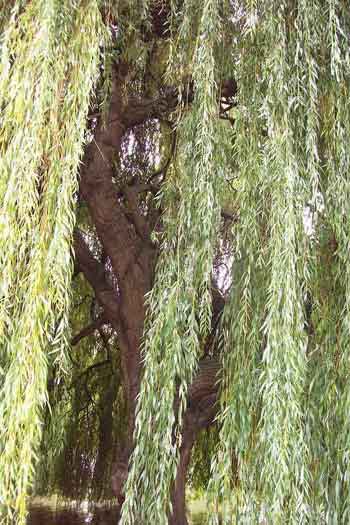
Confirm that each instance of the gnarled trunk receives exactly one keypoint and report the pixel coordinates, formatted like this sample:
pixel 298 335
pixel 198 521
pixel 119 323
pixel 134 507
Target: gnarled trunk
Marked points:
pixel 125 235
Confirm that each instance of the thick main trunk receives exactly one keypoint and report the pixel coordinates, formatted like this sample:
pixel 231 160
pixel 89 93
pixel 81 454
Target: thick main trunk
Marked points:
pixel 125 239
pixel 125 236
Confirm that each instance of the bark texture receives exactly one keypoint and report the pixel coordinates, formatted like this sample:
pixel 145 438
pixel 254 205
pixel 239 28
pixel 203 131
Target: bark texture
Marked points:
pixel 200 414
pixel 125 234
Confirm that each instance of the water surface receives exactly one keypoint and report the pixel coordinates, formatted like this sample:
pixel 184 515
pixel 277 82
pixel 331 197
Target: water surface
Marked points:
pixel 41 515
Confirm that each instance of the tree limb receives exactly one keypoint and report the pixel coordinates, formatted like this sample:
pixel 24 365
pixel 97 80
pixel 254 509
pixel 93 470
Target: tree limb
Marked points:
pixel 94 272
pixel 163 169
pixel 88 330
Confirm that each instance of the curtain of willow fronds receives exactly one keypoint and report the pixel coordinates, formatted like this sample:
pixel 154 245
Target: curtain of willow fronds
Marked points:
pixel 49 61
pixel 8 9
pixel 183 24
pixel 277 412
pixel 308 44
pixel 179 307
pixel 284 454
pixel 243 314
pixel 334 400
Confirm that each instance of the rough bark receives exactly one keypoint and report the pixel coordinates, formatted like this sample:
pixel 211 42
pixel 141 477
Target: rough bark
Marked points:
pixel 201 411
pixel 125 235
pixel 132 254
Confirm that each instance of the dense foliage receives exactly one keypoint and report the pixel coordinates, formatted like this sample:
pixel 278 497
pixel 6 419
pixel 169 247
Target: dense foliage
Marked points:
pixel 163 142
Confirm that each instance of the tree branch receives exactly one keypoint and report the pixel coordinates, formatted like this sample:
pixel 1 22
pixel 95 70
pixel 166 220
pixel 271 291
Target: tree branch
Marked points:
pixel 88 330
pixel 163 169
pixel 94 272
pixel 139 110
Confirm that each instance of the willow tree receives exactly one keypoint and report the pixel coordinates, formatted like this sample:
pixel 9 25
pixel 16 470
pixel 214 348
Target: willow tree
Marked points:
pixel 145 147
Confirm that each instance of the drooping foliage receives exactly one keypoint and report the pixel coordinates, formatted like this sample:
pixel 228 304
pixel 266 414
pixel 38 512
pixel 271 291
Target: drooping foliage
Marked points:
pixel 272 420
pixel 175 324
pixel 49 61
pixel 283 168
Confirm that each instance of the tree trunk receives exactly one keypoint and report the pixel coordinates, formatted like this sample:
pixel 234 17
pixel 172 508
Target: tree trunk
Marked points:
pixel 200 414
pixel 125 234
pixel 178 496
